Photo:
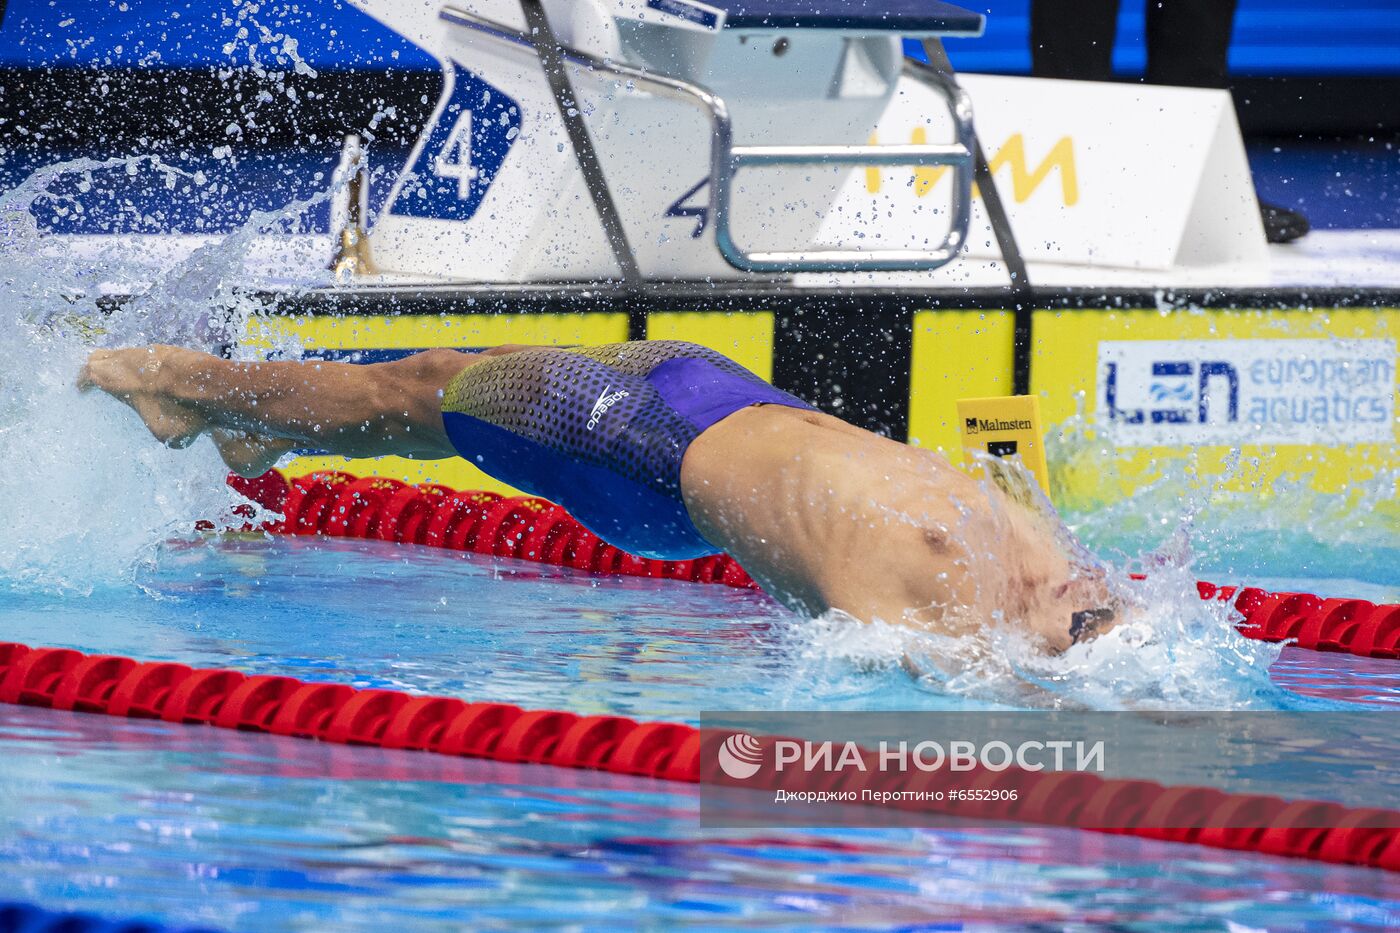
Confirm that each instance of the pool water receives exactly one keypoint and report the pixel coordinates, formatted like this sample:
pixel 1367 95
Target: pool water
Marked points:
pixel 252 832
pixel 258 832
pixel 373 614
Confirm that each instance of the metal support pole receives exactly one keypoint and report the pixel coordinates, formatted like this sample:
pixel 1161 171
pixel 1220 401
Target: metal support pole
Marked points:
pixel 1022 293
pixel 542 38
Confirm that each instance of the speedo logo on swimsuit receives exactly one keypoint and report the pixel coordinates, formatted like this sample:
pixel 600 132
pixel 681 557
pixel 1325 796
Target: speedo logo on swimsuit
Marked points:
pixel 607 400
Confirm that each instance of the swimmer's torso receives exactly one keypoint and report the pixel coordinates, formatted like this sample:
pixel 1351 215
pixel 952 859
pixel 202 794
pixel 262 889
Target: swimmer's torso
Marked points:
pixel 841 519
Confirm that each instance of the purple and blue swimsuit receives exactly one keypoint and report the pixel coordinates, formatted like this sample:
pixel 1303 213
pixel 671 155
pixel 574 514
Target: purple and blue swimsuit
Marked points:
pixel 602 431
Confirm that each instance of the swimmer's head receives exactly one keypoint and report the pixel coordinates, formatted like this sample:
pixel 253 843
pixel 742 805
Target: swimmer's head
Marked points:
pixel 1087 624
pixel 1073 602
pixel 1076 612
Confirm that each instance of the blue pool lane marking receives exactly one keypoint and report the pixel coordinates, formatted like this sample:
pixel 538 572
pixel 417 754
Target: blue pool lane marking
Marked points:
pixel 16 917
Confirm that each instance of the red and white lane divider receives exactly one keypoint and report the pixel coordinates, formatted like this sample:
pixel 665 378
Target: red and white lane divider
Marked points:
pixel 341 505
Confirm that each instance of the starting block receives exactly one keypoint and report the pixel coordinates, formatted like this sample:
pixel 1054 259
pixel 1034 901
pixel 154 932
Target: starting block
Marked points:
pixel 663 139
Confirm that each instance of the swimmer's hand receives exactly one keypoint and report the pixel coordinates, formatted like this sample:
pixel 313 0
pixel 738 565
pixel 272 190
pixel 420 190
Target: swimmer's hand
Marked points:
pixel 139 377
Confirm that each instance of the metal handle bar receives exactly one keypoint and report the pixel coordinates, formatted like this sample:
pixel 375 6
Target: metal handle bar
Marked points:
pixel 726 159
pixel 958 156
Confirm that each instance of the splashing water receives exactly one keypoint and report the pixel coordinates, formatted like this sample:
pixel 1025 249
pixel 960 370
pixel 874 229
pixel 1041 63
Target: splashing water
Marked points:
pixel 1172 651
pixel 1237 530
pixel 86 497
pixel 1176 652
pixel 1176 655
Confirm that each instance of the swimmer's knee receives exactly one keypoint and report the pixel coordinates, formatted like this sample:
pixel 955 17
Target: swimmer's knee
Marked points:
pixel 426 369
pixel 412 385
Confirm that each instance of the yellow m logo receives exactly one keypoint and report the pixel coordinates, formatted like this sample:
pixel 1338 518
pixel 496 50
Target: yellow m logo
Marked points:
pixel 1012 154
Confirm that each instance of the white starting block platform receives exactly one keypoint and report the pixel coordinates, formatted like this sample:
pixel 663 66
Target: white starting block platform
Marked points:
pixel 1323 260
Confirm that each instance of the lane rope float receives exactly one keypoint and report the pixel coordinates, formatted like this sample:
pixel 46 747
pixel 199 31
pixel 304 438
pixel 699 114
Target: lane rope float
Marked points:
pixel 377 508
pixel 65 679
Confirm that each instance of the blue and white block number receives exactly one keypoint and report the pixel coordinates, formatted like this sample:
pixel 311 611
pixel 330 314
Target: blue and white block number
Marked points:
pixel 454 160
pixel 463 153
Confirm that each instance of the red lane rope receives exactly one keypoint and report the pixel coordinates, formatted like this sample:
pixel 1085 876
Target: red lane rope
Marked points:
pixel 64 679
pixel 375 508
pixel 1351 626
pixel 340 505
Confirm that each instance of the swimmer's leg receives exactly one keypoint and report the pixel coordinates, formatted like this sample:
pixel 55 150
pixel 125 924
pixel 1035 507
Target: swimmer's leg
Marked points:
pixel 261 408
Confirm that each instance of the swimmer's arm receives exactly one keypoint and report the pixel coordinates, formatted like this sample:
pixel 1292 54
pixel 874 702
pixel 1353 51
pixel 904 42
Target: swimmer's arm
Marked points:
pixel 344 408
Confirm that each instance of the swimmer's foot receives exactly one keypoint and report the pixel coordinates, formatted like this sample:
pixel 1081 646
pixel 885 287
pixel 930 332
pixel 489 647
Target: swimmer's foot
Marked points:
pixel 248 454
pixel 141 376
pixel 134 376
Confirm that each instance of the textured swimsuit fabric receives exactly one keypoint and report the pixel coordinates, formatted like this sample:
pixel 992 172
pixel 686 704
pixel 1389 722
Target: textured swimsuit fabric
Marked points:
pixel 602 430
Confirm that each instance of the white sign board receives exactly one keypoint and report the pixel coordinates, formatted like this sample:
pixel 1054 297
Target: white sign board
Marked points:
pixel 1121 175
pixel 1186 392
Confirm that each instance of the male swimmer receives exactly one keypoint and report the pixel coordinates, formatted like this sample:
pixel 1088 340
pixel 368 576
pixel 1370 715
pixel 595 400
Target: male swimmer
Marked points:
pixel 662 448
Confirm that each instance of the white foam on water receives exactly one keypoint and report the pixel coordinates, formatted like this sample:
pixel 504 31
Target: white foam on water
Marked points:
pixel 86 496
pixel 1172 650
pixel 1177 653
